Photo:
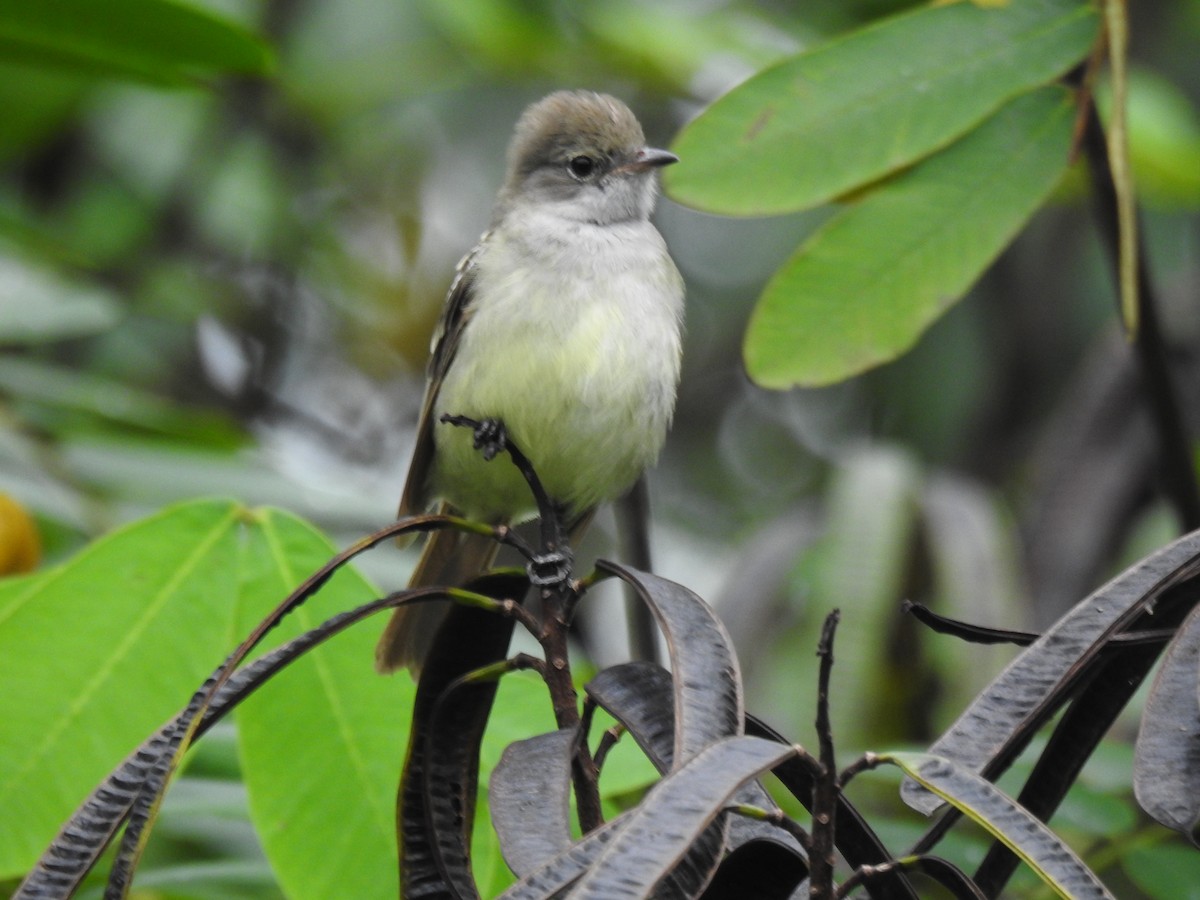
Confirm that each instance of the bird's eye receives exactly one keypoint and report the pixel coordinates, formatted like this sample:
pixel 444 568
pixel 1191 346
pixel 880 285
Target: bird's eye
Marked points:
pixel 581 166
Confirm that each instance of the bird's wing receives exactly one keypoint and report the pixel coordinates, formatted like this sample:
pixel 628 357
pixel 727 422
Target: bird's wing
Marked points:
pixel 456 312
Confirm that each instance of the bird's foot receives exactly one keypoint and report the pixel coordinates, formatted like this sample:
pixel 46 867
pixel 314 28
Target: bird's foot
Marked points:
pixel 490 438
pixel 550 569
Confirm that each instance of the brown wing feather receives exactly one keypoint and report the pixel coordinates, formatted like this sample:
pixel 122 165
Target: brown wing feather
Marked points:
pixel 446 558
pixel 456 312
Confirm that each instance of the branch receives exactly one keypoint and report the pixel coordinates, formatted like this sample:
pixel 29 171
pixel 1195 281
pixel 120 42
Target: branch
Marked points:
pixel 825 791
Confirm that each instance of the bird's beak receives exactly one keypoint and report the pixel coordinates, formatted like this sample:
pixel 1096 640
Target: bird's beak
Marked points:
pixel 649 158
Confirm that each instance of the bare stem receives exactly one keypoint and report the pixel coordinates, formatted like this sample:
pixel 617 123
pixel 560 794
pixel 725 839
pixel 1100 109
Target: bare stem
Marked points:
pixel 565 700
pixel 825 788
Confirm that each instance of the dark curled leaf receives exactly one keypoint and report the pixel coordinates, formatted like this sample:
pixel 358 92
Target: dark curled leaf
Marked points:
pixel 85 835
pixel 1166 772
pixel 566 868
pixel 438 785
pixel 853 837
pixel 1087 719
pixel 176 738
pixel 763 869
pixel 1022 697
pixel 673 815
pixel 979 634
pixel 987 805
pixel 706 679
pixel 529 799
pixel 640 696
pixel 707 696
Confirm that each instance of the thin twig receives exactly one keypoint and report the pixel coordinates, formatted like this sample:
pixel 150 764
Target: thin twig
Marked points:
pixel 864 763
pixel 607 741
pixel 565 700
pixel 822 860
pixel 864 873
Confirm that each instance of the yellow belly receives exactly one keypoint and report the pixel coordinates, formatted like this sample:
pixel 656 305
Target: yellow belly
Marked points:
pixel 589 416
pixel 574 344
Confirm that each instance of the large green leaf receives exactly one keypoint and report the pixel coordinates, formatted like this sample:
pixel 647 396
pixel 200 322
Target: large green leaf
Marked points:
pixel 863 288
pixel 96 654
pixel 322 743
pixel 158 41
pixel 854 109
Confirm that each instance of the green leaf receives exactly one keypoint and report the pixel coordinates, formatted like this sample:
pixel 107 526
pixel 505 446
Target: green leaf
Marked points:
pixel 36 103
pixel 855 109
pixel 322 742
pixel 865 286
pixel 981 801
pixel 157 41
pixel 97 653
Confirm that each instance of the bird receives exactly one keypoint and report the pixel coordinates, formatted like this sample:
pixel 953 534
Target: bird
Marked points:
pixel 564 325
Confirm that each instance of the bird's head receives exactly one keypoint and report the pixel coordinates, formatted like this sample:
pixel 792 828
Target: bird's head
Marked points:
pixel 584 155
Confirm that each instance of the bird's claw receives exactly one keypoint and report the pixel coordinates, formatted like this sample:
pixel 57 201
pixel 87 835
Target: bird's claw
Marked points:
pixel 490 438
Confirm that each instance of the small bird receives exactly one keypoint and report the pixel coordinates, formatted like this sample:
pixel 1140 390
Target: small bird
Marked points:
pixel 564 325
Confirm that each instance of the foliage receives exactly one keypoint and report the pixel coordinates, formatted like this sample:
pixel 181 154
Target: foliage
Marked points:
pixel 302 761
pixel 151 40
pixel 968 147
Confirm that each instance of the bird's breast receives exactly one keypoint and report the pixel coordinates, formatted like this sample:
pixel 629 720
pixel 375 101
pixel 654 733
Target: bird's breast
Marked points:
pixel 575 345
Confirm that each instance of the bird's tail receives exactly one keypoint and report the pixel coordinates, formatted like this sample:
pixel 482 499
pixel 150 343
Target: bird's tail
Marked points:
pixel 449 558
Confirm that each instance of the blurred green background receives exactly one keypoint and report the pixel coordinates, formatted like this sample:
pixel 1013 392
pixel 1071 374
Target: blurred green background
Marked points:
pixel 224 284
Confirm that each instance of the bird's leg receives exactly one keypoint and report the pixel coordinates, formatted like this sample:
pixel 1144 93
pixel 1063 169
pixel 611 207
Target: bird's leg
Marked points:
pixel 551 565
pixel 549 570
